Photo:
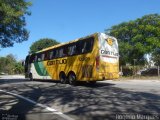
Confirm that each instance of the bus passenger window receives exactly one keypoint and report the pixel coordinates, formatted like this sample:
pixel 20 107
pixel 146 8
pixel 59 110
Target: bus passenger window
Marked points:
pixel 84 47
pixel 61 52
pixel 43 57
pixel 39 57
pixel 65 51
pixel 79 46
pixel 51 55
pixel 87 45
pixel 72 50
pixel 46 56
pixel 56 53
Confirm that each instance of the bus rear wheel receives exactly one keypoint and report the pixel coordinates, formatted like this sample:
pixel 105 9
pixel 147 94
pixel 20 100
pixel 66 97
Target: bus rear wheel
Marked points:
pixel 62 78
pixel 72 79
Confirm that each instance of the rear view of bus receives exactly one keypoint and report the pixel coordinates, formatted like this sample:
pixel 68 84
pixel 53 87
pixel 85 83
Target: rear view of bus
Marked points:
pixel 107 63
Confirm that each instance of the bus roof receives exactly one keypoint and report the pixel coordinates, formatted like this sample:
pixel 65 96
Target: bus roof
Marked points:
pixel 61 44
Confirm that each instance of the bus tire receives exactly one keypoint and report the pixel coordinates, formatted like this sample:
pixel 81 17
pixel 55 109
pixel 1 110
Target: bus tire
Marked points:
pixel 72 78
pixel 30 77
pixel 62 78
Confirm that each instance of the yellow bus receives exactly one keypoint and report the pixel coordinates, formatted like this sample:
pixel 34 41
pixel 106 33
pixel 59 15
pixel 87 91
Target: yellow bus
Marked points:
pixel 91 58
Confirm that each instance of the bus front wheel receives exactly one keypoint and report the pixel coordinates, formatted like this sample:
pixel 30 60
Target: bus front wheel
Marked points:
pixel 62 78
pixel 72 79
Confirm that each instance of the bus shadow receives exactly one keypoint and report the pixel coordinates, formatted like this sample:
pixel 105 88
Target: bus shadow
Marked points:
pixel 96 85
pixel 45 80
pixel 79 83
pixel 15 80
pixel 92 102
pixel 100 101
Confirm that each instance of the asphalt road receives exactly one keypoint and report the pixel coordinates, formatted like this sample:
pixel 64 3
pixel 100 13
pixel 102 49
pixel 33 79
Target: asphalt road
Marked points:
pixel 21 99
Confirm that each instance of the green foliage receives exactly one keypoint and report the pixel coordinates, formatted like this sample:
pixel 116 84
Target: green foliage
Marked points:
pixel 10 65
pixel 127 70
pixel 41 44
pixel 18 68
pixel 12 22
pixel 156 56
pixel 137 38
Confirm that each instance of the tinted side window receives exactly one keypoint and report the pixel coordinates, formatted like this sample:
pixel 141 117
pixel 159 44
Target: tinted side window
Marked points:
pixel 46 57
pixel 43 56
pixel 61 52
pixel 79 47
pixel 88 45
pixel 38 57
pixel 56 53
pixel 65 51
pixel 72 49
pixel 52 54
pixel 85 46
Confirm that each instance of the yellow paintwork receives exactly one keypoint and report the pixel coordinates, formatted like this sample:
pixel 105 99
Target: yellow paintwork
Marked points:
pixel 84 66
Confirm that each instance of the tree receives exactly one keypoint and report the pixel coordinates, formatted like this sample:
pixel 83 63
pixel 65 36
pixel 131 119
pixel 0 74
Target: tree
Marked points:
pixel 12 22
pixel 137 38
pixel 2 64
pixel 10 65
pixel 18 68
pixel 41 44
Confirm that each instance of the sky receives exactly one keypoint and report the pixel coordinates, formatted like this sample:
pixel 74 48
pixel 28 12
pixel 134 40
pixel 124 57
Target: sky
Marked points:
pixel 66 20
